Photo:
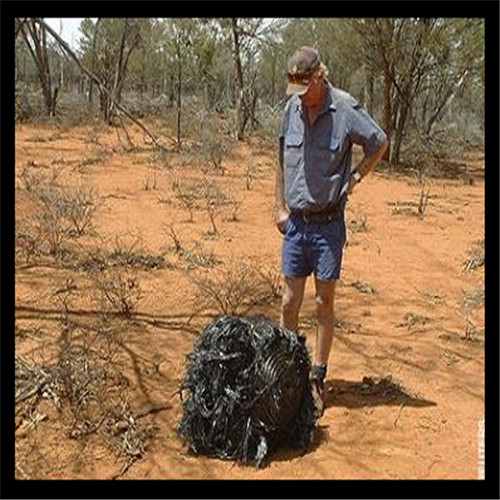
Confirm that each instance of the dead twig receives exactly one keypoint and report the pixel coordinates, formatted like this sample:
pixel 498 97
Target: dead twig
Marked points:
pixel 399 413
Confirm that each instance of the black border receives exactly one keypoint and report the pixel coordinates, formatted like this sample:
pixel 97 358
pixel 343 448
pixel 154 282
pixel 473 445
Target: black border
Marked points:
pixel 489 488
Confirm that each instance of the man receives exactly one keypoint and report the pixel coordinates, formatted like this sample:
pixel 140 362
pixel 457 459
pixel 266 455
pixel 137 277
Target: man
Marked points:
pixel 314 178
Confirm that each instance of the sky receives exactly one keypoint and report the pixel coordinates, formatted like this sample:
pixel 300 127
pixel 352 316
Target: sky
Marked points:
pixel 70 28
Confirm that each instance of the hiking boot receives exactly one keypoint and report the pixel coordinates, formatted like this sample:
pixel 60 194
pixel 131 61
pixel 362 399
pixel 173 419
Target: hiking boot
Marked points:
pixel 317 379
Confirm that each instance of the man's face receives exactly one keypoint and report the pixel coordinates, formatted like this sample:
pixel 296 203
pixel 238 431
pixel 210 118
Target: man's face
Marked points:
pixel 314 94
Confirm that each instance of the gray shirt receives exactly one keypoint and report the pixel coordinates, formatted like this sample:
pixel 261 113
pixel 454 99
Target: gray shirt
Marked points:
pixel 317 159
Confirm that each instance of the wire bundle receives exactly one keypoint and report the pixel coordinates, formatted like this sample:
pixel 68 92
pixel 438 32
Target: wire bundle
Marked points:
pixel 247 391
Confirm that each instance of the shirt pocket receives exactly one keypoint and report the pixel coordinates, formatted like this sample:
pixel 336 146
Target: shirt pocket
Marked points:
pixel 293 150
pixel 328 155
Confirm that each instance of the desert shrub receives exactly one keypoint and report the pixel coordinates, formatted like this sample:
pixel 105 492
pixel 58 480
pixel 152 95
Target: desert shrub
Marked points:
pixel 435 155
pixel 118 290
pixel 214 199
pixel 359 224
pixel 213 143
pixel 233 290
pixel 194 257
pixel 199 257
pixel 52 219
pixel 126 251
pixel 31 178
pixel 81 205
pixel 66 211
pixel 475 258
pixel 270 277
pixel 130 252
pixel 92 396
pixel 150 182
pixel 29 103
pixel 187 192
pixel 141 107
pixel 73 110
pixel 205 194
pixel 269 119
pixel 29 242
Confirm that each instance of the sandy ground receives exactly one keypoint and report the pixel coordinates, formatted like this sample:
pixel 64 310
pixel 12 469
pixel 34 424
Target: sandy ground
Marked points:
pixel 411 327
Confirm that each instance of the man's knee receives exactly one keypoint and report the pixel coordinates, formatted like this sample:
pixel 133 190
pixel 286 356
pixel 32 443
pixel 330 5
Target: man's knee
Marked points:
pixel 291 301
pixel 324 299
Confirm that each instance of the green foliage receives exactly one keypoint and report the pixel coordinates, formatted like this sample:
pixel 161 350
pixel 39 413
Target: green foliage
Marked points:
pixel 434 68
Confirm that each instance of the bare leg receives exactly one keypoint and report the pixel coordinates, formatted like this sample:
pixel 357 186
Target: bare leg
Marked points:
pixel 293 293
pixel 325 293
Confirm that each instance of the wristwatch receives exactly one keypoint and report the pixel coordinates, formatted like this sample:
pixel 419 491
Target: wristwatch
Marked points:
pixel 357 176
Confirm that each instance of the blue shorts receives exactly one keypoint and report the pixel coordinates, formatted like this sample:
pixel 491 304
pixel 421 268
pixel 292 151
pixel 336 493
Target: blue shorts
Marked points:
pixel 313 248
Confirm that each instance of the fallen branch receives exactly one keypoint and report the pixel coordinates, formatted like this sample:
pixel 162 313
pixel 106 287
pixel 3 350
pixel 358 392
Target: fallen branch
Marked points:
pixel 102 88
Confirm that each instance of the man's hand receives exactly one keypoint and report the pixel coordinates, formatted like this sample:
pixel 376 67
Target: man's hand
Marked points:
pixel 353 180
pixel 281 219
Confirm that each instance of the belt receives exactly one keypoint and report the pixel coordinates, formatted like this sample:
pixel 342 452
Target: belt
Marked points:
pixel 322 217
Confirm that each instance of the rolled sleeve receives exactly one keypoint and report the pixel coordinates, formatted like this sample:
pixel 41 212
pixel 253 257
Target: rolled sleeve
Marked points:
pixel 363 130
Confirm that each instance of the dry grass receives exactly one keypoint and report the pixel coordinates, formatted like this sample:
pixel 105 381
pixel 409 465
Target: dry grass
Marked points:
pixel 363 287
pixel 359 224
pixel 412 320
pixel 476 257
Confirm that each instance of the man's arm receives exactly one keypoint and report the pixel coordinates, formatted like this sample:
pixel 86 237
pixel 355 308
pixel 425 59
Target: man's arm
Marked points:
pixel 364 130
pixel 368 163
pixel 281 212
pixel 365 166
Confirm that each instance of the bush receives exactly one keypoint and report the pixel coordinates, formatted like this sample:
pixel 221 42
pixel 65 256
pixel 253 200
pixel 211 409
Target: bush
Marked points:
pixel 269 119
pixel 214 144
pixel 29 103
pixel 235 290
pixel 62 212
pixel 118 290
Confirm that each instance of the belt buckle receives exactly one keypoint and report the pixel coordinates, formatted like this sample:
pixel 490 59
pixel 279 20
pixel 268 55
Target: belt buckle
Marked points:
pixel 306 218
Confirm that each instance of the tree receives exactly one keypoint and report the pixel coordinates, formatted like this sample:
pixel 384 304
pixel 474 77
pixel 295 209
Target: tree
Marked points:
pixel 109 53
pixel 35 37
pixel 178 48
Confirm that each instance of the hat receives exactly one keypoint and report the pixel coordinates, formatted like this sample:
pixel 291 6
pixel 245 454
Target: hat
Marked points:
pixel 301 66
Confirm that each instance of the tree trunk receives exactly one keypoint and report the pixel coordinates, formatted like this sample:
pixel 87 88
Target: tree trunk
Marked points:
pixel 172 91
pixel 92 65
pixel 273 83
pixel 40 56
pixel 387 111
pixel 369 91
pixel 179 94
pixel 240 112
pixel 399 132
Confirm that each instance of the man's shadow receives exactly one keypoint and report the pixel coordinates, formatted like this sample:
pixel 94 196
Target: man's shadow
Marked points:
pixel 370 391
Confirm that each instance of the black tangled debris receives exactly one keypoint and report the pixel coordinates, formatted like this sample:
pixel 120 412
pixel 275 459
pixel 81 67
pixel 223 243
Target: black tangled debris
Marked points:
pixel 247 391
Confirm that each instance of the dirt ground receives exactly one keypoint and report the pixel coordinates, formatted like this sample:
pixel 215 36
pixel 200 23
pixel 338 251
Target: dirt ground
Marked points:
pixel 398 313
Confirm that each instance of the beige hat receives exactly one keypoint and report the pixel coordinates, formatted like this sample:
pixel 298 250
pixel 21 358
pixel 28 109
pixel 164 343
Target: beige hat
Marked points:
pixel 301 66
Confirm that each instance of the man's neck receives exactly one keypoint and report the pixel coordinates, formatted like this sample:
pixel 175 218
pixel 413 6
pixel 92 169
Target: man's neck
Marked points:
pixel 321 101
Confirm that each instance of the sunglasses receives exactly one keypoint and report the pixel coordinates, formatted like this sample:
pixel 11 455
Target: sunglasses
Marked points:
pixel 302 79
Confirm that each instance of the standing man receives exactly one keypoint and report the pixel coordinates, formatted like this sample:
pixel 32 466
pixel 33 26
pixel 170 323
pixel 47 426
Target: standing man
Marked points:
pixel 313 180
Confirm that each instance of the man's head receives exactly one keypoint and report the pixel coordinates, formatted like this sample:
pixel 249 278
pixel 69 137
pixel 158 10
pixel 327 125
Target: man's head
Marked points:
pixel 306 74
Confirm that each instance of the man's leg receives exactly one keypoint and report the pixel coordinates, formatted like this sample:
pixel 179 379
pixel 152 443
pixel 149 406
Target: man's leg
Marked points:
pixel 325 294
pixel 325 291
pixel 293 293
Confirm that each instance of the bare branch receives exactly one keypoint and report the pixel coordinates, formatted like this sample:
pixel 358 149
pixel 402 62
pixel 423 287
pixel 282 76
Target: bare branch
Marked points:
pixel 102 88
